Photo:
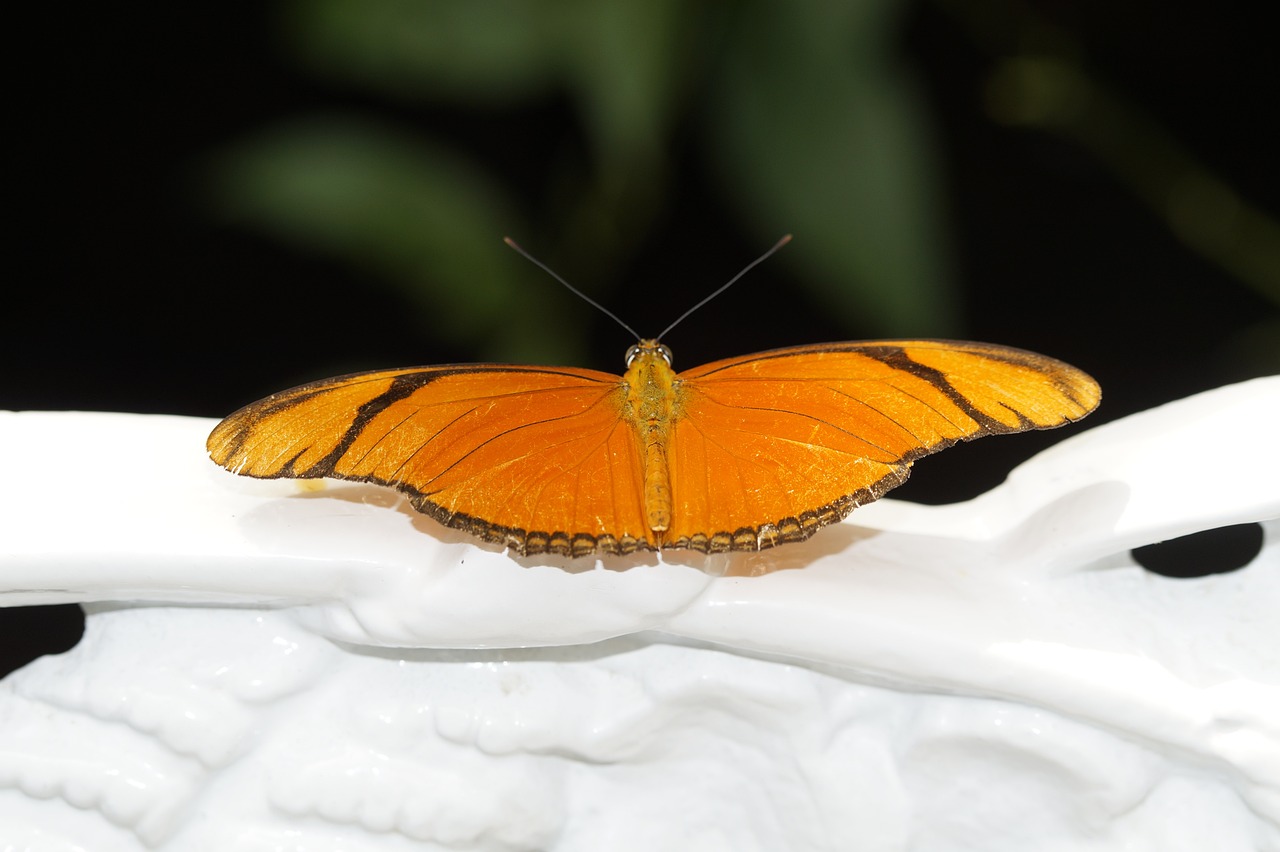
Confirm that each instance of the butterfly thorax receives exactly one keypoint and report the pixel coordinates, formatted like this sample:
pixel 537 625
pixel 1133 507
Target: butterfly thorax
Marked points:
pixel 651 396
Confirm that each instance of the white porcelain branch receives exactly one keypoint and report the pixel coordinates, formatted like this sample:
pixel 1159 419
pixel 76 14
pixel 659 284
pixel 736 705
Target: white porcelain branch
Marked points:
pixel 273 666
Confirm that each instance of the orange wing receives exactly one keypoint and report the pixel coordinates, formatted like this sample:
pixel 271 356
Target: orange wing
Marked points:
pixel 535 459
pixel 767 448
pixel 757 450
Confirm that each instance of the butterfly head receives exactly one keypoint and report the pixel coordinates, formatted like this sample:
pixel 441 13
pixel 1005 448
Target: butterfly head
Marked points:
pixel 650 349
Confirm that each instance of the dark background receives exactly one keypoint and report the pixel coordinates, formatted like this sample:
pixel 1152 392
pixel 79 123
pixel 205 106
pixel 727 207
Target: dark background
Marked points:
pixel 130 291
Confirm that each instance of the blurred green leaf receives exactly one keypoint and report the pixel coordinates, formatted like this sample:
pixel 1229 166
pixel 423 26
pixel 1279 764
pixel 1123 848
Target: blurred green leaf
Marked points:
pixel 623 64
pixel 817 133
pixel 467 50
pixel 425 218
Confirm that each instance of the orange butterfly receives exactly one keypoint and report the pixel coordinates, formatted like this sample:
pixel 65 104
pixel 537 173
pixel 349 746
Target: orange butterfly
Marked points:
pixel 740 454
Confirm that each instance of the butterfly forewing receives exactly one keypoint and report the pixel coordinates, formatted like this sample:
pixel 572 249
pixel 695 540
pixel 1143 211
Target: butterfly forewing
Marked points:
pixel 1011 388
pixel 292 432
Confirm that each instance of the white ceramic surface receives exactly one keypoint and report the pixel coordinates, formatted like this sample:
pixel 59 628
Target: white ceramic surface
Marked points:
pixel 269 666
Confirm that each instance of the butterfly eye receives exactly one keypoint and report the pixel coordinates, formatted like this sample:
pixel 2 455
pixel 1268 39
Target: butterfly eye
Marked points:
pixel 665 353
pixel 633 353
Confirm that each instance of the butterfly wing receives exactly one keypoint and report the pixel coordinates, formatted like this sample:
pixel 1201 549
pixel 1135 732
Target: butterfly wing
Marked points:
pixel 537 459
pixel 768 448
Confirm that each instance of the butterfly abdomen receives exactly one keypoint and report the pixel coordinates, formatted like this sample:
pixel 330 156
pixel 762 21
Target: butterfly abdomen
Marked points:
pixel 651 396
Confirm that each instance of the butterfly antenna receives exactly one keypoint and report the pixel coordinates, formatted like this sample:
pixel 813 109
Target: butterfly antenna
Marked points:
pixel 734 280
pixel 572 289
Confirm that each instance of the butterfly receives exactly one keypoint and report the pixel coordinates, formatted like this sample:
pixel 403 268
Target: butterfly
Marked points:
pixel 737 455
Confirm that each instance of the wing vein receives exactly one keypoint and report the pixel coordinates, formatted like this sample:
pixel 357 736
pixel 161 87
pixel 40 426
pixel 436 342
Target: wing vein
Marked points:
pixel 504 433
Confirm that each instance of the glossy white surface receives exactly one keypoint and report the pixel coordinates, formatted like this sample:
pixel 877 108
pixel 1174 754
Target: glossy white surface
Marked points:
pixel 268 667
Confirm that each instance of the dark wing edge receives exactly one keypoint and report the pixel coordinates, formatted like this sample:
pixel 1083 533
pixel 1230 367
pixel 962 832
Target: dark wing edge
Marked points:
pixel 791 529
pixel 1073 383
